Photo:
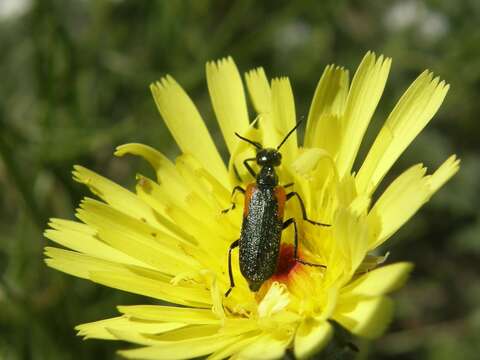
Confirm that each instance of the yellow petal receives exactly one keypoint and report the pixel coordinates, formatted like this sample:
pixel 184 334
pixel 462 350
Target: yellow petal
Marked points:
pixel 77 264
pixel 284 117
pixel 182 349
pixel 232 349
pixel 366 318
pixel 309 160
pixel 188 167
pixel 443 173
pixel 216 294
pixel 208 185
pixel 81 238
pixel 261 95
pixel 99 329
pixel 380 281
pixel 135 279
pixel 206 233
pixel 242 151
pixel 160 199
pixel 139 240
pixel 265 347
pixel 276 299
pixel 228 99
pixel 117 196
pixel 405 196
pixel 399 202
pixel 363 97
pixel 323 126
pixel 372 261
pixel 186 125
pixel 350 234
pixel 411 114
pixel 172 314
pixel 164 168
pixel 148 250
pixel 143 283
pixel 311 337
pixel 259 90
pixel 101 216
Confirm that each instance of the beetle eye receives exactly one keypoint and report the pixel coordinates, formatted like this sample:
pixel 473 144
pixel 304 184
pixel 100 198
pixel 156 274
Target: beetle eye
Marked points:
pixel 277 157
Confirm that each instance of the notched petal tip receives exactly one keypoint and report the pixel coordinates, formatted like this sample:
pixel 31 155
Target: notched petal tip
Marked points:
pixel 449 168
pixel 216 65
pixel 255 72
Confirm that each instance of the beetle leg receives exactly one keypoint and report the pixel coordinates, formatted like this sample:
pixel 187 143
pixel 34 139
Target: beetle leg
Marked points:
pixel 295 249
pixel 230 273
pixel 249 168
pixel 235 189
pixel 288 185
pixel 304 212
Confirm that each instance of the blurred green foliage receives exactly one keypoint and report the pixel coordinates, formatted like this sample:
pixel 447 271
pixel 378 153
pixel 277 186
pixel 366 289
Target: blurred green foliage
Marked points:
pixel 74 84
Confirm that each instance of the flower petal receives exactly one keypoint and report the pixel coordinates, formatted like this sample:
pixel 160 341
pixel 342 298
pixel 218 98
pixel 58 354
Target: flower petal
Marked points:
pixel 365 317
pixel 232 349
pixel 151 246
pixel 135 279
pixel 99 216
pixel 276 299
pixel 265 347
pixel 363 97
pixel 100 329
pixel 186 125
pixel 173 314
pixel 261 95
pixel 405 196
pixel 350 234
pixel 112 193
pixel 138 283
pixel 380 281
pixel 76 264
pixel 164 168
pixel 259 90
pixel 323 126
pixel 284 118
pixel 228 99
pixel 399 202
pixel 160 198
pixel 81 238
pixel 411 114
pixel 311 337
pixel 188 346
pixel 443 173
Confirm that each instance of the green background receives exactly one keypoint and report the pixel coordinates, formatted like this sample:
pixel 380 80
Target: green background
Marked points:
pixel 74 79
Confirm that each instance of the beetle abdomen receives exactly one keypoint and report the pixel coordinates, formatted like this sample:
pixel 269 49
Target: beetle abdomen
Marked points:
pixel 261 233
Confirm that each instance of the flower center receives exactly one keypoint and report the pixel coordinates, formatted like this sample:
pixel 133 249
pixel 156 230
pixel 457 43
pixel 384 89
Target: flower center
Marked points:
pixel 286 262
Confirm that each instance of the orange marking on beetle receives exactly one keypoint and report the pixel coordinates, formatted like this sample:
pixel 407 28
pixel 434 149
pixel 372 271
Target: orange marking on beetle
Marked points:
pixel 248 196
pixel 281 199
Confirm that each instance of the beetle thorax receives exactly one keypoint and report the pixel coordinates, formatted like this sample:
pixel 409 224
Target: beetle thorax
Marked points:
pixel 267 177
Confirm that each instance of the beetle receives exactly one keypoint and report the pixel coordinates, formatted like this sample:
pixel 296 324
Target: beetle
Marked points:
pixel 263 212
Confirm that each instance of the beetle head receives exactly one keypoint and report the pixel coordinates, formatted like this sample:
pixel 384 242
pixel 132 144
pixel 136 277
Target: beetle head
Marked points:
pixel 269 157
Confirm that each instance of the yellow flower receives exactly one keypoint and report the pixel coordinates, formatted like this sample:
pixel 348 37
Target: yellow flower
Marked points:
pixel 168 240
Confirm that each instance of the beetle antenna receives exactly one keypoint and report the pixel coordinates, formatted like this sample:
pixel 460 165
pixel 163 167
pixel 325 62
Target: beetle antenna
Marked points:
pixel 290 133
pixel 254 143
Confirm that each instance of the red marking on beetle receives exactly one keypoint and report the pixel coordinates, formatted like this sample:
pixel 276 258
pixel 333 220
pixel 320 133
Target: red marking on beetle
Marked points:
pixel 286 267
pixel 281 198
pixel 248 196
pixel 286 263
